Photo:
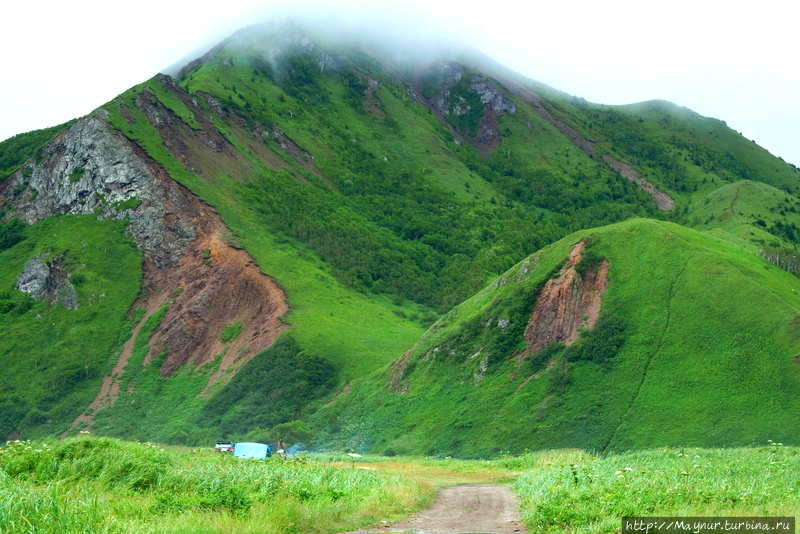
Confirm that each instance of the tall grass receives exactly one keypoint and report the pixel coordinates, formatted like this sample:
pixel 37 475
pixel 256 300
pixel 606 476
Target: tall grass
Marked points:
pixel 593 495
pixel 26 507
pixel 61 485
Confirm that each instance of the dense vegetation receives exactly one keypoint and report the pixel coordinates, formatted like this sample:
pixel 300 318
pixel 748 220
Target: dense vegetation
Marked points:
pixel 631 382
pixel 248 402
pixel 596 493
pixel 379 210
pixel 43 389
pixel 101 485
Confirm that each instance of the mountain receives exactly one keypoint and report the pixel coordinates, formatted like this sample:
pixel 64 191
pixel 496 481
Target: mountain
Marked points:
pixel 219 252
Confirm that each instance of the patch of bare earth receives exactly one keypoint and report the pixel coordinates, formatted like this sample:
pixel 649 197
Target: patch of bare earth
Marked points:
pixel 566 304
pixel 210 287
pixel 663 201
pixel 214 286
pixel 398 369
pixel 487 508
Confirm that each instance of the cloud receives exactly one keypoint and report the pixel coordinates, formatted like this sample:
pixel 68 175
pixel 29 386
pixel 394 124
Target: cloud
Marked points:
pixel 734 63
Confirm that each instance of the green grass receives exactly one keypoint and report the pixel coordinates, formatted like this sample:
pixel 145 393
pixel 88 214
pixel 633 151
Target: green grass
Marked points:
pixel 231 331
pixel 688 342
pixel 751 212
pixel 54 358
pixel 592 495
pixel 88 484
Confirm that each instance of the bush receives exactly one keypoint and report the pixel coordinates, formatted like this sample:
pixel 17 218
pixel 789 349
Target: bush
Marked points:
pixel 600 344
pixel 11 233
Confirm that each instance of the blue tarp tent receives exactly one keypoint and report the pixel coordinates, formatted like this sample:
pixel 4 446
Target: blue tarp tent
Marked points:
pixel 251 450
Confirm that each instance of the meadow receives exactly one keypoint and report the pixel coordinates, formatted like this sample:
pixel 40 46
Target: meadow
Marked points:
pixel 91 484
pixel 103 485
pixel 593 496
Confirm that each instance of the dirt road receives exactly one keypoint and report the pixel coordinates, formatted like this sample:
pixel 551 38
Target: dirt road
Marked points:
pixel 484 508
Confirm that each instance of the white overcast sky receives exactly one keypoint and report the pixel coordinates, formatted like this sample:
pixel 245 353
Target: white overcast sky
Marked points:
pixel 734 61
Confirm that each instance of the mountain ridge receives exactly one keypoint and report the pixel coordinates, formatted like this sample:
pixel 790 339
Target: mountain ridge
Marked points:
pixel 374 199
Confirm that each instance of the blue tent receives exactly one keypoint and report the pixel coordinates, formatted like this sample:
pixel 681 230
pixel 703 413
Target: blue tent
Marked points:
pixel 251 450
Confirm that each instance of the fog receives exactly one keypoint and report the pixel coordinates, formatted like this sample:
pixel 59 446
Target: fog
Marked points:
pixel 732 63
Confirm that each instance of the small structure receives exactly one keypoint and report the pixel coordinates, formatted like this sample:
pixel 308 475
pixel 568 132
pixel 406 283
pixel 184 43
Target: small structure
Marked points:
pixel 251 450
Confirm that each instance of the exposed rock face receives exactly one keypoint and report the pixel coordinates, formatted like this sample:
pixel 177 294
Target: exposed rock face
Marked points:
pixel 33 279
pixel 218 286
pixel 42 280
pixel 450 71
pixel 188 263
pixel 452 102
pixel 566 304
pixel 662 200
pixel 491 95
pixel 89 169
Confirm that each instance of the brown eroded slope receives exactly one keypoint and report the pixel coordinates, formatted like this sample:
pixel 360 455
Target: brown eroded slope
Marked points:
pixel 213 286
pixel 567 303
pixel 209 285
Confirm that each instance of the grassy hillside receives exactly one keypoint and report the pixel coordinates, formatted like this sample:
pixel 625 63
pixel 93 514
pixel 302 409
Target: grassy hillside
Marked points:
pixel 381 195
pixel 678 358
pixel 54 358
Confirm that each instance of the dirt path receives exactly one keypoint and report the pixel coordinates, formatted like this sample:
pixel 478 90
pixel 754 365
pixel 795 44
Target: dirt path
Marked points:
pixel 484 508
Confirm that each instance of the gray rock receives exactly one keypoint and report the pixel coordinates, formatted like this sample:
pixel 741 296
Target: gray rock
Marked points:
pixel 33 279
pixel 90 169
pixel 491 95
pixel 66 294
pixel 42 280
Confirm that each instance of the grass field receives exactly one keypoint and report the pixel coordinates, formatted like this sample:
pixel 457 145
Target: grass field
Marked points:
pixel 593 495
pixel 101 485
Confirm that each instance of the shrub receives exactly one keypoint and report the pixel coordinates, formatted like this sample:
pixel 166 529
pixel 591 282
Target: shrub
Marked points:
pixel 11 233
pixel 232 331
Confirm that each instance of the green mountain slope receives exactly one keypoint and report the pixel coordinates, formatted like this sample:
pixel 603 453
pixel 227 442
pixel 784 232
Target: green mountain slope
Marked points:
pixel 304 207
pixel 695 345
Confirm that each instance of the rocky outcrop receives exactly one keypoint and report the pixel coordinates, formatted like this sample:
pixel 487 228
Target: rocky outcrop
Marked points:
pixel 567 304
pixel 491 95
pixel 91 170
pixel 189 265
pixel 457 97
pixel 48 280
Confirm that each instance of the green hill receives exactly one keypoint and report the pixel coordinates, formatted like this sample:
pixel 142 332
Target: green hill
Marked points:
pixel 290 213
pixel 695 344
